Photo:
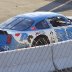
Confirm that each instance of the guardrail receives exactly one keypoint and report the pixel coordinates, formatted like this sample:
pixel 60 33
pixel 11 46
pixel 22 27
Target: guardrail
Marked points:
pixel 37 59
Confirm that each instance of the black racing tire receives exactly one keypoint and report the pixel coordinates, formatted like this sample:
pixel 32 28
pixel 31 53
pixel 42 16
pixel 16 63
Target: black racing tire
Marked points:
pixel 40 41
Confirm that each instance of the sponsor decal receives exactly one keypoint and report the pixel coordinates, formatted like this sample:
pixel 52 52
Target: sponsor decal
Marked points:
pixel 17 34
pixel 52 37
pixel 24 36
pixel 29 38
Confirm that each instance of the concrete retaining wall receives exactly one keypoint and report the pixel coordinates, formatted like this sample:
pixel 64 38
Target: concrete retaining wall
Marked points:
pixel 38 59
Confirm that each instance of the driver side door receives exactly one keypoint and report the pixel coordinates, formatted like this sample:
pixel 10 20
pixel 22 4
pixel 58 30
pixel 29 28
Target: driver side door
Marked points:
pixel 60 25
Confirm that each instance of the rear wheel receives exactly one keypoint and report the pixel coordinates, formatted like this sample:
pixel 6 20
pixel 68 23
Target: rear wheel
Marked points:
pixel 40 41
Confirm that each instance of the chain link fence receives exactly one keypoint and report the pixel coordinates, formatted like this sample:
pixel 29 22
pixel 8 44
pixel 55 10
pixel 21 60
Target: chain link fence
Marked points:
pixel 48 58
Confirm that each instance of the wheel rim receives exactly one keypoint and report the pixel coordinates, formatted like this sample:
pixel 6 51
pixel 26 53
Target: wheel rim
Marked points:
pixel 41 41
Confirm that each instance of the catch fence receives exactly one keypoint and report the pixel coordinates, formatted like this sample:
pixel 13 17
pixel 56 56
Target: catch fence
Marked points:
pixel 49 58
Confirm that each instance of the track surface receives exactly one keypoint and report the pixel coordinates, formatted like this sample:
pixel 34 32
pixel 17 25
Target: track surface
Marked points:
pixel 9 8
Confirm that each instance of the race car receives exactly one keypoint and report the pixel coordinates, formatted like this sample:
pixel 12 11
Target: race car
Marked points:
pixel 34 29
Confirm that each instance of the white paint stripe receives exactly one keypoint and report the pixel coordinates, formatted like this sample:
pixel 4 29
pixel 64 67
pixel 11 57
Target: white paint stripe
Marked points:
pixel 60 5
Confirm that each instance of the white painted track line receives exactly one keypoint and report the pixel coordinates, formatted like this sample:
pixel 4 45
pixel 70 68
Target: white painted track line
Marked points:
pixel 60 5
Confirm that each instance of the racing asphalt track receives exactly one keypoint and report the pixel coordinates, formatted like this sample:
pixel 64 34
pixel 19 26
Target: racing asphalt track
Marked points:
pixel 9 8
pixel 57 6
pixel 62 6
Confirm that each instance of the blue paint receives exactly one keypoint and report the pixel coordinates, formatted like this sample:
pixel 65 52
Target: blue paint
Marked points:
pixel 69 32
pixel 38 16
pixel 61 34
pixel 3 40
pixel 24 36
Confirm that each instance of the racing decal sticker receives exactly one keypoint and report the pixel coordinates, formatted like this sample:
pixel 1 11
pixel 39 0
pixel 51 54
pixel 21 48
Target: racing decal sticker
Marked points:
pixel 69 32
pixel 52 37
pixel 29 38
pixel 61 34
pixel 24 36
pixel 17 34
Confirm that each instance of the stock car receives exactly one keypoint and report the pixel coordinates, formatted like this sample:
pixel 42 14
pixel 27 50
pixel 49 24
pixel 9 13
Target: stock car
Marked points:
pixel 34 29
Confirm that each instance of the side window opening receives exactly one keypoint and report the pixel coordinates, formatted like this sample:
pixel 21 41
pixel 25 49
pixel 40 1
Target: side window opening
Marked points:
pixel 58 21
pixel 42 25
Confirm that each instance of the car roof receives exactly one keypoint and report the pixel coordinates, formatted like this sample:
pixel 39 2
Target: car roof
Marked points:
pixel 39 15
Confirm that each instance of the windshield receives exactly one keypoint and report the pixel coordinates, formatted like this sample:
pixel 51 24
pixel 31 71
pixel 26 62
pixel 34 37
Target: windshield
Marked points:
pixel 17 23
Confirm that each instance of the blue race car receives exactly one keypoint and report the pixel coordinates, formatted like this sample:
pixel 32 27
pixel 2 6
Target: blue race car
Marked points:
pixel 34 29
